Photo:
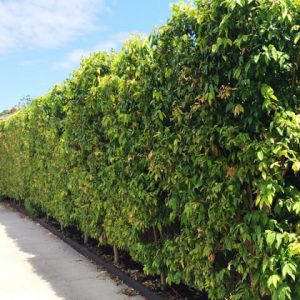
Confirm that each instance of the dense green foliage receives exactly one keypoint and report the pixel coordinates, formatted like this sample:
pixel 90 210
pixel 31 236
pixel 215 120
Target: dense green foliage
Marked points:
pixel 182 149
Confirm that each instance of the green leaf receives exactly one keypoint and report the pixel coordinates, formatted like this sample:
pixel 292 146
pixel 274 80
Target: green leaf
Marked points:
pixel 296 166
pixel 238 109
pixel 296 208
pixel 289 269
pixel 266 91
pixel 260 155
pixel 271 236
pixel 279 238
pixel 214 48
pixel 297 37
pixel 294 248
pixel 273 281
pixel 256 58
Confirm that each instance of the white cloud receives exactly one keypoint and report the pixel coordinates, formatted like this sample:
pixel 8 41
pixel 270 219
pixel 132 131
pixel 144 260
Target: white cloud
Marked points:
pixel 74 57
pixel 29 62
pixel 45 23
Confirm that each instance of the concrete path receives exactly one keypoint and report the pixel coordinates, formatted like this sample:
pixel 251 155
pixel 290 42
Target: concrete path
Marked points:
pixel 36 265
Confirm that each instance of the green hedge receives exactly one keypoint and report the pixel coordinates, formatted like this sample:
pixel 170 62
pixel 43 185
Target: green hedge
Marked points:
pixel 182 149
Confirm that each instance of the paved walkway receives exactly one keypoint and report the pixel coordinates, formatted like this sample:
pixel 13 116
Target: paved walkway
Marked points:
pixel 36 265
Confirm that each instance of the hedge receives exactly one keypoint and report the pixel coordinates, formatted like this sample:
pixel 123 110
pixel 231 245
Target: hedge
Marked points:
pixel 182 149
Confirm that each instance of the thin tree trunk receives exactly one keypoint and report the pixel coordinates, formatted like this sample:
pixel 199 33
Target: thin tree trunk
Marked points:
pixel 161 235
pixel 85 239
pixel 251 200
pixel 116 255
pixel 155 234
pixel 163 281
pixel 162 275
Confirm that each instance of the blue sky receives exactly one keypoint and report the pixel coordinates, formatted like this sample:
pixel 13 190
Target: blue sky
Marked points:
pixel 42 41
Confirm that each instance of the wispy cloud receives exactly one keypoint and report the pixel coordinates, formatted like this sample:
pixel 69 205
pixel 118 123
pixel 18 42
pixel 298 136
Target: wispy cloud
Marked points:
pixel 29 62
pixel 74 57
pixel 45 23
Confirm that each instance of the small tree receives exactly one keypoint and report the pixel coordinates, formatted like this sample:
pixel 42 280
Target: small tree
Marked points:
pixel 24 102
